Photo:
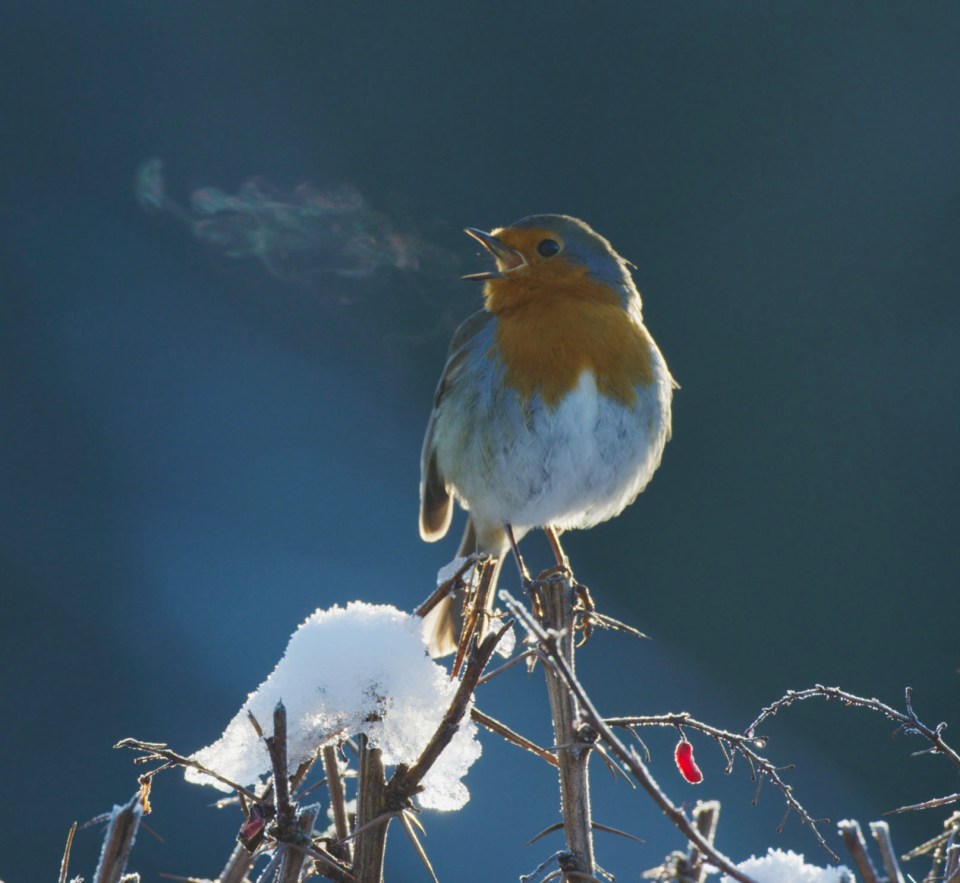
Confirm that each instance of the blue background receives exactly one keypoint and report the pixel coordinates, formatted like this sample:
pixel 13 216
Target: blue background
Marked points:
pixel 195 453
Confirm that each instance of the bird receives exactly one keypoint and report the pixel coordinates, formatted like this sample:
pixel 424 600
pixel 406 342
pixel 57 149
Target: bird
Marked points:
pixel 554 406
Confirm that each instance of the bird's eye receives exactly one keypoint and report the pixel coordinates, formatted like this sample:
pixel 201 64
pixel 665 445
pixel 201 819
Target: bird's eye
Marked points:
pixel 548 248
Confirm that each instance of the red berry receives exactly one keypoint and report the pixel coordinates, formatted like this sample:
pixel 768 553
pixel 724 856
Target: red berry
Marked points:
pixel 252 828
pixel 683 755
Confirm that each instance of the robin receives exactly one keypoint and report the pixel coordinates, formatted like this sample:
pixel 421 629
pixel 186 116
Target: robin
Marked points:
pixel 553 408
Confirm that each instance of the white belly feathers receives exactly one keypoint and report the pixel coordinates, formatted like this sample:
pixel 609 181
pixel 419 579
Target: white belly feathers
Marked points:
pixel 580 463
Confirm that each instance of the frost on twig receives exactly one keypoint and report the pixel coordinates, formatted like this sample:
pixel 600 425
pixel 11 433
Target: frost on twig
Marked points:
pixel 396 733
pixel 548 647
pixel 732 745
pixel 853 840
pixel 689 867
pixel 907 721
pixel 856 845
pixel 556 600
pixel 944 852
pixel 881 833
pixel 123 822
pixel 118 841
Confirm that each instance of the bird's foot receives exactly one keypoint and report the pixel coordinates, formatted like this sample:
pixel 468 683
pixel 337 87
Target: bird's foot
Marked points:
pixel 586 609
pixel 564 571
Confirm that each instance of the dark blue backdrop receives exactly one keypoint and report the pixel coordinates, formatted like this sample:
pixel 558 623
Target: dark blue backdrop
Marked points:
pixel 196 451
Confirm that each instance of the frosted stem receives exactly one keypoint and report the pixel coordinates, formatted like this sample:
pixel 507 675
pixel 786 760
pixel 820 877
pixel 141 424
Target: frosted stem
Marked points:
pixel 572 738
pixel 371 842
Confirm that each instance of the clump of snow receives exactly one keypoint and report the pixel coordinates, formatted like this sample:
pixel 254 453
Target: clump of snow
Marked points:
pixel 778 866
pixel 358 669
pixel 449 571
pixel 350 806
pixel 507 644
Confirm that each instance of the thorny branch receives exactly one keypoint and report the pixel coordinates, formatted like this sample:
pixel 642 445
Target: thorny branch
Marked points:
pixel 690 867
pixel 547 647
pixel 907 722
pixel 502 730
pixel 405 781
pixel 291 833
pixel 393 798
pixel 278 824
pixel 159 751
pixel 926 804
pixel 554 600
pixel 731 744
pixel 944 850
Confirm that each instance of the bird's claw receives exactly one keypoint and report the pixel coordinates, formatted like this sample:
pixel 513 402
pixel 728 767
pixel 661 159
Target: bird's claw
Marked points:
pixel 561 570
pixel 532 589
pixel 586 607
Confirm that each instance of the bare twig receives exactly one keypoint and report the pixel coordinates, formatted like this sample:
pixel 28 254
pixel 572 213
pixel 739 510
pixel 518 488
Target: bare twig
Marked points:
pixel 371 842
pixel 927 847
pixel 295 854
pixel 852 838
pixel 881 833
pixel 574 741
pixel 380 802
pixel 277 746
pixel 908 722
pixel 294 826
pixel 927 804
pixel 334 781
pixel 943 851
pixel 381 819
pixel 761 767
pixel 608 622
pixel 520 657
pixel 558 857
pixel 65 861
pixel 549 652
pixel 951 855
pixel 324 860
pixel 118 841
pixel 159 751
pixel 706 816
pixel 405 782
pixel 504 731
pixel 271 868
pixel 238 865
pixel 446 587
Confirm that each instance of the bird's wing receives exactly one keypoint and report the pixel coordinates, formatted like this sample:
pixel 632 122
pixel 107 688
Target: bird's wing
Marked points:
pixel 436 507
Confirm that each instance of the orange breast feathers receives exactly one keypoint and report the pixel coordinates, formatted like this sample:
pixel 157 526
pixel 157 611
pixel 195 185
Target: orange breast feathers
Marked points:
pixel 554 322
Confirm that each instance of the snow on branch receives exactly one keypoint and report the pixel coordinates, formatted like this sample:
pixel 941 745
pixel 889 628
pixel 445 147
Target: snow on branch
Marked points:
pixel 359 669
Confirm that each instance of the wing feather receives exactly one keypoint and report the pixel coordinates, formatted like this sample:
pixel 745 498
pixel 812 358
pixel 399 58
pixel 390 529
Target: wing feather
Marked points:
pixel 436 504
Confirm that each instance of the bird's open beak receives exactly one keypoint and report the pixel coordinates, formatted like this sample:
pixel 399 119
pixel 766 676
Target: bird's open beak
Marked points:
pixel 507 258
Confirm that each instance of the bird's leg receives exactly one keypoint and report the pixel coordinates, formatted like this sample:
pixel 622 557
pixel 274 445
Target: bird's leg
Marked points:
pixel 529 585
pixel 587 608
pixel 524 573
pixel 563 562
pixel 586 605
